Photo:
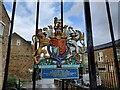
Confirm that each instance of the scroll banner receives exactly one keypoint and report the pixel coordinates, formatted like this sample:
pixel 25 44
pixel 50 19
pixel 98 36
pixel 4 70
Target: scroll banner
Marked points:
pixel 60 73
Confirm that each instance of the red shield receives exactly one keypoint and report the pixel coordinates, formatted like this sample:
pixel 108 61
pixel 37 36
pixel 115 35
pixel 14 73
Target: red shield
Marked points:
pixel 60 43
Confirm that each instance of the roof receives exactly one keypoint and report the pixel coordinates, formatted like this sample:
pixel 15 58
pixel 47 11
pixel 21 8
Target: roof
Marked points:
pixel 6 11
pixel 29 42
pixel 106 45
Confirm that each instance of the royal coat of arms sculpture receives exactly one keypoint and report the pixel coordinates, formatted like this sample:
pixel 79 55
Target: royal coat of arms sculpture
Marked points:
pixel 58 47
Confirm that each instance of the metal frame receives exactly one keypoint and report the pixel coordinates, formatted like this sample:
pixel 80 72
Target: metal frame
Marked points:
pixel 90 48
pixel 113 44
pixel 37 21
pixel 92 70
pixel 9 47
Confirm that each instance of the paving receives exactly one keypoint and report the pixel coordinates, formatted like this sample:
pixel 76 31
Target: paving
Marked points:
pixel 42 84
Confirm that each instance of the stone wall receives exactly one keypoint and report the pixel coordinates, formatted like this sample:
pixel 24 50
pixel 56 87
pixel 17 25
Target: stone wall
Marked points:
pixel 5 20
pixel 0 49
pixel 21 58
pixel 0 62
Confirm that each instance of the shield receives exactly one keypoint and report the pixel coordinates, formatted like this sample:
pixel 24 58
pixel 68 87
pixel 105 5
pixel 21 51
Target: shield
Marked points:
pixel 60 44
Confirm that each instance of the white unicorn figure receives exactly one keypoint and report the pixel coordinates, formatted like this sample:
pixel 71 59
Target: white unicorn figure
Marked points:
pixel 72 39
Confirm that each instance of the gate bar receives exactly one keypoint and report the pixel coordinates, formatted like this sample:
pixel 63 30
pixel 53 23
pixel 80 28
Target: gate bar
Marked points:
pixel 113 44
pixel 90 49
pixel 62 15
pixel 37 20
pixel 62 31
pixel 9 47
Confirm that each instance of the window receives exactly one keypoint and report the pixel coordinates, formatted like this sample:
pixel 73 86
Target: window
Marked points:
pixel 18 42
pixel 100 56
pixel 102 68
pixel 118 54
pixel 1 28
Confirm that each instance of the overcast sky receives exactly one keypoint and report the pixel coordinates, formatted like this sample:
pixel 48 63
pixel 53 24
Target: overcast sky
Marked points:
pixel 73 16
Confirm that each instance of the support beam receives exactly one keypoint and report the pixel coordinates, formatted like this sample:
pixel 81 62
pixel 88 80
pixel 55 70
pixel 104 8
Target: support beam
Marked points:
pixel 62 31
pixel 63 84
pixel 62 15
pixel 9 47
pixel 90 49
pixel 113 44
pixel 37 21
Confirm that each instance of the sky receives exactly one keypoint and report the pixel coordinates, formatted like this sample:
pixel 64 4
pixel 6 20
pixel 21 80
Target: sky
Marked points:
pixel 25 17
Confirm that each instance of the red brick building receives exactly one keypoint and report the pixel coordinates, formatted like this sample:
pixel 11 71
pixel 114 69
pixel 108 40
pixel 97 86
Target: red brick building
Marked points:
pixel 104 59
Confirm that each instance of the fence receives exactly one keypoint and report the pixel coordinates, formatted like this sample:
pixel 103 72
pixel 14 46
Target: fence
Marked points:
pixel 69 86
pixel 104 69
pixel 107 73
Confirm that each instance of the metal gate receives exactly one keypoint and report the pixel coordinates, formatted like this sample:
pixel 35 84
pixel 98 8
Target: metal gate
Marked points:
pixel 107 70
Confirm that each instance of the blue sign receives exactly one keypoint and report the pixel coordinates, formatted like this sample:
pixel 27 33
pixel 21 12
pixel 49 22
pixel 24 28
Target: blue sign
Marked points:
pixel 60 73
pixel 55 66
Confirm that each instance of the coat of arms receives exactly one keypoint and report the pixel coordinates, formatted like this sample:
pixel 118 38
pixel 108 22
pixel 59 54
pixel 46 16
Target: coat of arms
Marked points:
pixel 58 46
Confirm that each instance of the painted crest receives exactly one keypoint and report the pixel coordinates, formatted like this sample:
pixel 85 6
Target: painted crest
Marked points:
pixel 58 46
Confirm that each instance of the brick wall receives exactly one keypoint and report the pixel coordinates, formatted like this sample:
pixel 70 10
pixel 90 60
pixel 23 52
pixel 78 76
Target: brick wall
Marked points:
pixel 107 54
pixel 0 62
pixel 106 68
pixel 21 58
pixel 0 49
pixel 4 19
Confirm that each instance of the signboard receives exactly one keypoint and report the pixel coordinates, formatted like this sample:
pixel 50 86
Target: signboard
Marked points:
pixel 55 66
pixel 60 73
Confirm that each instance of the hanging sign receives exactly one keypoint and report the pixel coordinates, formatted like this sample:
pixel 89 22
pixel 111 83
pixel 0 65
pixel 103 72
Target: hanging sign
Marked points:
pixel 58 48
pixel 60 73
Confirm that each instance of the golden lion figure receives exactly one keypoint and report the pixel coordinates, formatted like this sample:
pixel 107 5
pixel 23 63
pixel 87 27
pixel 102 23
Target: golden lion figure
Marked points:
pixel 43 41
